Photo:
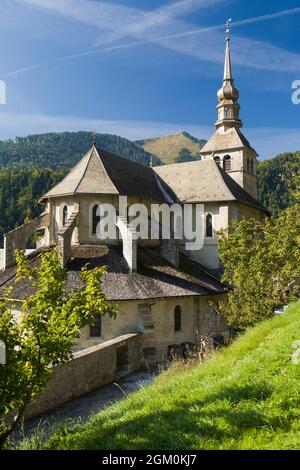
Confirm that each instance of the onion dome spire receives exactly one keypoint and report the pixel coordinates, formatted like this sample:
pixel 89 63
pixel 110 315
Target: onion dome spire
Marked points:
pixel 228 95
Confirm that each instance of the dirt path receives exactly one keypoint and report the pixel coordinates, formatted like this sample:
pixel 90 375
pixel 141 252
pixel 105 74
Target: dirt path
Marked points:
pixel 82 408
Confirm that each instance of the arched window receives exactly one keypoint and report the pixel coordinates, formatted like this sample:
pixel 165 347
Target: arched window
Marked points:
pixel 95 329
pixel 209 226
pixel 217 160
pixel 177 318
pixel 65 215
pixel 227 163
pixel 96 219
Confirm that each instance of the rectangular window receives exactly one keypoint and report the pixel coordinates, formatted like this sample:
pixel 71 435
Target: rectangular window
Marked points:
pixel 95 329
pixel 177 318
pixel 146 316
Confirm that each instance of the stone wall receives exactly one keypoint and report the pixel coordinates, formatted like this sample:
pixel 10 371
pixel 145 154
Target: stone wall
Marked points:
pixel 17 239
pixel 65 238
pixel 129 239
pixel 198 319
pixel 89 369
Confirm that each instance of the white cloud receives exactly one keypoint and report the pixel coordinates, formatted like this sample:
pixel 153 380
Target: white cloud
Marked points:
pixel 267 141
pixel 163 26
pixel 12 124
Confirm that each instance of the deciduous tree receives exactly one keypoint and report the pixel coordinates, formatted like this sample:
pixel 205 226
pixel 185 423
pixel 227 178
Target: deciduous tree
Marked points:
pixel 261 262
pixel 43 335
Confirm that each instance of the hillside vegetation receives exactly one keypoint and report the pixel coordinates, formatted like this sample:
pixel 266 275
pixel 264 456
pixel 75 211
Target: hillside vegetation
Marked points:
pixel 176 148
pixel 19 194
pixel 246 396
pixel 65 149
pixel 275 179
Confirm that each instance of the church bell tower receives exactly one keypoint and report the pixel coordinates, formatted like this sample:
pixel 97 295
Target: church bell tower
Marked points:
pixel 228 146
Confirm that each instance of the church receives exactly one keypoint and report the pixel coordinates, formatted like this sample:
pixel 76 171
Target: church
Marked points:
pixel 164 292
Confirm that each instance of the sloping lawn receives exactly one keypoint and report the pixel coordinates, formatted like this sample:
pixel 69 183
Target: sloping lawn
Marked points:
pixel 246 397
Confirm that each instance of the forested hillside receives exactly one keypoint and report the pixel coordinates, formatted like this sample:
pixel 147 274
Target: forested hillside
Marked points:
pixel 19 194
pixel 275 181
pixel 56 150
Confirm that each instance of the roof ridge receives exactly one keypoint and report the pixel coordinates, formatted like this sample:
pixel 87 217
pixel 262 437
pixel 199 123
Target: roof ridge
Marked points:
pixel 84 173
pixel 64 178
pixel 123 158
pixel 104 169
pixel 221 171
pixel 192 162
pixel 252 201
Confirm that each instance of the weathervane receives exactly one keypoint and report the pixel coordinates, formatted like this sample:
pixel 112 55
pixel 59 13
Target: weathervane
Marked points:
pixel 228 28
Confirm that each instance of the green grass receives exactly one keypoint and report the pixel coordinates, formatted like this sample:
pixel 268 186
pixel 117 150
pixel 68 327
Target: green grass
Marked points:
pixel 245 397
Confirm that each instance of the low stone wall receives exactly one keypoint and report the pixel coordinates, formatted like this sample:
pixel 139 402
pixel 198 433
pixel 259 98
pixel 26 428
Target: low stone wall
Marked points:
pixel 89 369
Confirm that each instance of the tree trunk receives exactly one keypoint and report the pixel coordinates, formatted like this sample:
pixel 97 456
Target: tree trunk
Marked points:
pixel 5 435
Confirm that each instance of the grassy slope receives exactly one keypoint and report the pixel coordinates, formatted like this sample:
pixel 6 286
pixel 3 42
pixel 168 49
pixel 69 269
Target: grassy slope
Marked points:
pixel 246 397
pixel 168 148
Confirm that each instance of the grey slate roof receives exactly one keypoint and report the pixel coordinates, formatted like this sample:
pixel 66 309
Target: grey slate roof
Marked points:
pixel 155 277
pixel 101 172
pixel 231 139
pixel 203 181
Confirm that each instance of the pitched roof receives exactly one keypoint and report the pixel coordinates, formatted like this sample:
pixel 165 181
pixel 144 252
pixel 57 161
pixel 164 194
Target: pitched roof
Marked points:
pixel 101 172
pixel 203 181
pixel 231 139
pixel 155 278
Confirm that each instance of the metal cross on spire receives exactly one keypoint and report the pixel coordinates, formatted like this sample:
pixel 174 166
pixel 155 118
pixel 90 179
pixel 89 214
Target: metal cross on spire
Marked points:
pixel 228 28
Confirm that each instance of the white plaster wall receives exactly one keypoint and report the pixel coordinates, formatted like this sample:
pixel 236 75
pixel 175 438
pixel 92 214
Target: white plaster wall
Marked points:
pixel 208 255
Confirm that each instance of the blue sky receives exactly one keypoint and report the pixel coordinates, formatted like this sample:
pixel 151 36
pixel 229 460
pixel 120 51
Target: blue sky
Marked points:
pixel 142 68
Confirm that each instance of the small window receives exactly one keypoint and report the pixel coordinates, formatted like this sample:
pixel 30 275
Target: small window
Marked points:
pixel 217 160
pixel 252 167
pixel 248 165
pixel 96 219
pixel 65 215
pixel 95 329
pixel 227 163
pixel 209 226
pixel 177 318
pixel 145 315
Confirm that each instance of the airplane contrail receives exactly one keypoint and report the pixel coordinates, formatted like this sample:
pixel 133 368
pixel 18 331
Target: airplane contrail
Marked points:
pixel 246 21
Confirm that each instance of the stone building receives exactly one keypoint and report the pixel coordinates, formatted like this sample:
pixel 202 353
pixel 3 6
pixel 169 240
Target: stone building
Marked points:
pixel 163 290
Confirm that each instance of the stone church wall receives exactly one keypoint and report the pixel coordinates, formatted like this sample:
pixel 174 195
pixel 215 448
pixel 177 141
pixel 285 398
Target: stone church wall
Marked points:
pixel 197 319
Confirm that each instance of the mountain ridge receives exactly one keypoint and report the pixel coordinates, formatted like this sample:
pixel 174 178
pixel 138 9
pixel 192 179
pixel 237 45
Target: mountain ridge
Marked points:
pixel 54 150
pixel 174 148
